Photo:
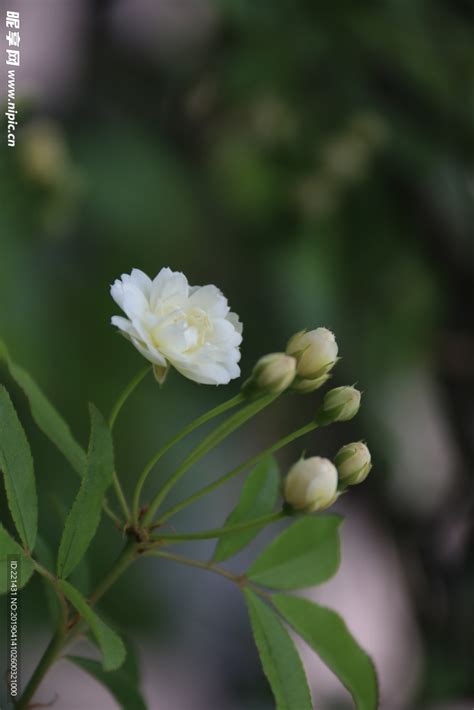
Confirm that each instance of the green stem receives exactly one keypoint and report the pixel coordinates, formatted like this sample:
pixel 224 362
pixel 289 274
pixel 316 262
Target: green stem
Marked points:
pixel 47 660
pixel 125 394
pixel 126 557
pixel 208 566
pixel 120 496
pixel 114 518
pixel 220 409
pixel 122 398
pixel 222 532
pixel 52 580
pixel 250 462
pixel 62 637
pixel 238 579
pixel 213 439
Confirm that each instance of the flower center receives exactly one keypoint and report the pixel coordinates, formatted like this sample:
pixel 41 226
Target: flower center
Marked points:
pixel 199 326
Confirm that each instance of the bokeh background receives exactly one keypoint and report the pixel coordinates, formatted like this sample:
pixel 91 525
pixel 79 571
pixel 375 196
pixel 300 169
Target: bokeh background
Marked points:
pixel 315 161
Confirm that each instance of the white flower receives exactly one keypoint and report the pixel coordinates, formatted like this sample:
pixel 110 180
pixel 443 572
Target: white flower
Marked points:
pixel 172 323
pixel 311 484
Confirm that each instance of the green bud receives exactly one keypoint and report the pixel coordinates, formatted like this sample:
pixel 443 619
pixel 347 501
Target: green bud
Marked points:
pixel 353 462
pixel 272 374
pixel 341 404
pixel 311 484
pixel 315 352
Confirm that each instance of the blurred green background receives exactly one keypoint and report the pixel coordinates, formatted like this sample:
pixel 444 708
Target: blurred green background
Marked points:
pixel 316 162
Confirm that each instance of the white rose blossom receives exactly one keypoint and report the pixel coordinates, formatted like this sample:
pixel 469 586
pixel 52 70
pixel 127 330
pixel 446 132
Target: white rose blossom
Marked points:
pixel 173 323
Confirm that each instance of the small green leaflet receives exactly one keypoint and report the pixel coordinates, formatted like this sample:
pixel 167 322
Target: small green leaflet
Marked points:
pixel 17 465
pixel 111 645
pixel 84 516
pixel 305 554
pixel 46 416
pixel 280 660
pixel 258 497
pixel 327 634
pixel 10 548
pixel 122 684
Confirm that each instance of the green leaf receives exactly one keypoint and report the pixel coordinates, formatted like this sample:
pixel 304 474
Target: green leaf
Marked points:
pixel 46 416
pixel 327 634
pixel 111 645
pixel 258 497
pixel 84 516
pixel 305 554
pixel 17 466
pixel 122 684
pixel 10 548
pixel 280 660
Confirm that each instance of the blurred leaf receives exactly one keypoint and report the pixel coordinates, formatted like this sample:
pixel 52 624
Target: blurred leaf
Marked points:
pixel 17 465
pixel 305 554
pixel 84 517
pixel 10 548
pixel 46 416
pixel 280 660
pixel 258 497
pixel 122 684
pixel 111 645
pixel 327 634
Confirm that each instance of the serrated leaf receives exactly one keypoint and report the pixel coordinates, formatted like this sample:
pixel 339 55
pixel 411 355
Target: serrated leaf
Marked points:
pixel 111 645
pixel 327 634
pixel 305 554
pixel 258 497
pixel 84 516
pixel 10 548
pixel 122 684
pixel 280 660
pixel 17 465
pixel 46 416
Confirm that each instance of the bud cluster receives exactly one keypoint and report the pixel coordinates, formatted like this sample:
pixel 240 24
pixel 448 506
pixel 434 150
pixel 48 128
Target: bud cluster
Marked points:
pixel 314 484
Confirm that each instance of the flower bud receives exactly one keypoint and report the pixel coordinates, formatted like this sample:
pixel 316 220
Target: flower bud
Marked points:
pixel 315 352
pixel 353 463
pixel 341 404
pixel 272 374
pixel 311 484
pixel 306 386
